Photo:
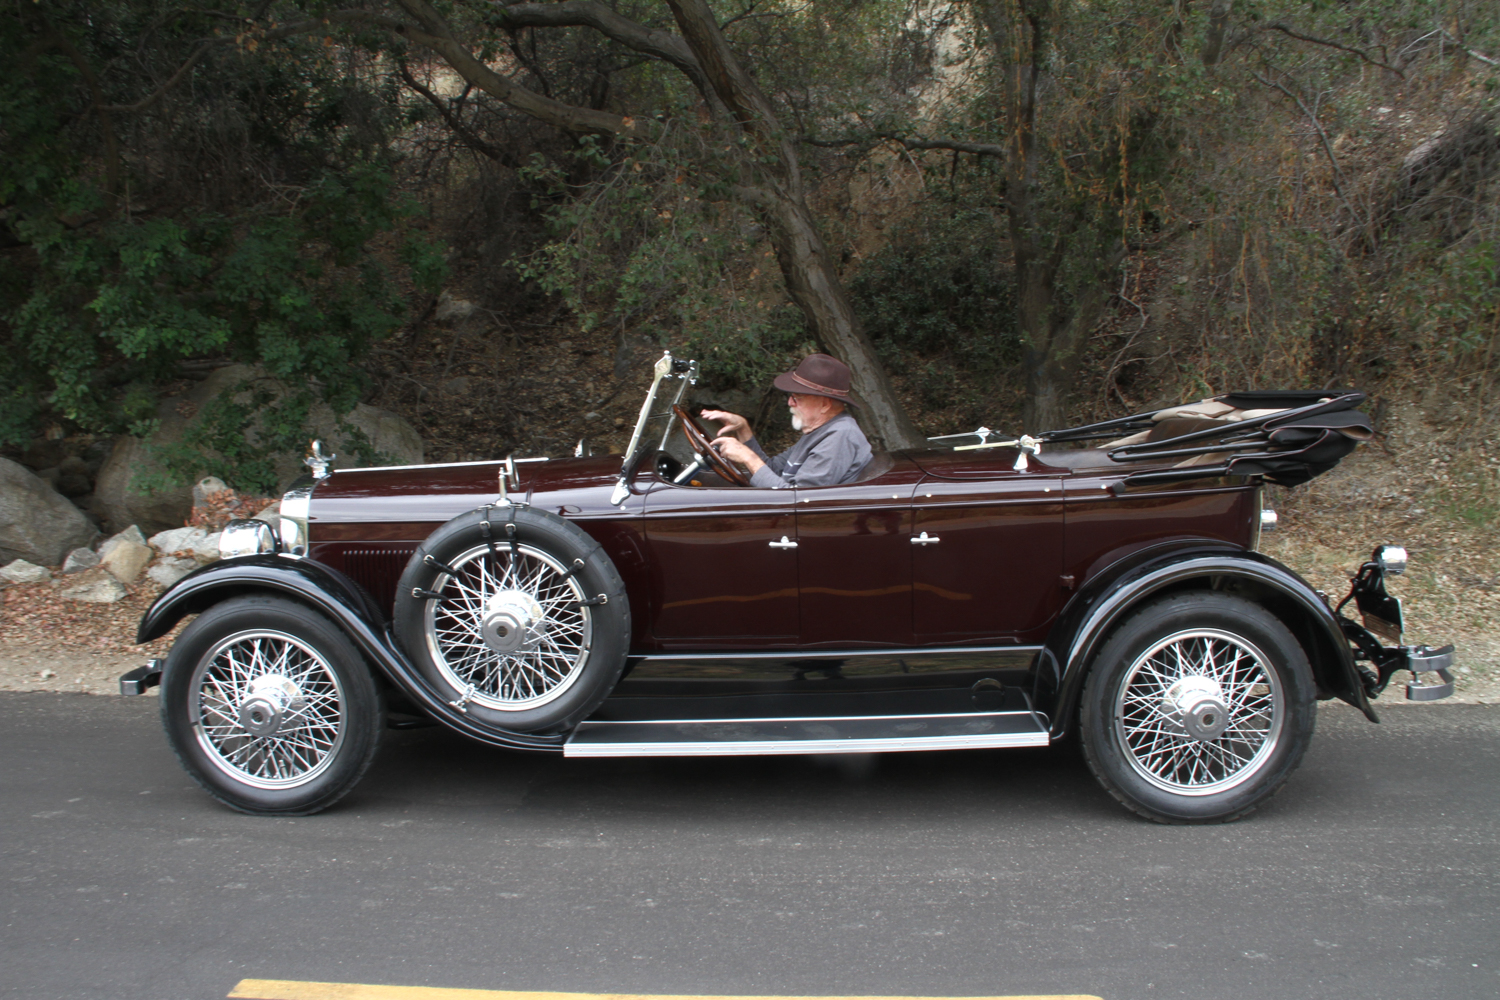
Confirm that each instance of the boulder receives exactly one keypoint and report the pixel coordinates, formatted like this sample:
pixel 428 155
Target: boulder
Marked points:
pixel 206 486
pixel 127 560
pixel 79 560
pixel 96 586
pixel 177 540
pixel 36 522
pixel 206 549
pixel 129 487
pixel 270 514
pixel 169 570
pixel 21 571
pixel 130 534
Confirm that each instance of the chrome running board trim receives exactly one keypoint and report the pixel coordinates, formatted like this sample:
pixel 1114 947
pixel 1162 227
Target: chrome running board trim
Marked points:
pixel 804 735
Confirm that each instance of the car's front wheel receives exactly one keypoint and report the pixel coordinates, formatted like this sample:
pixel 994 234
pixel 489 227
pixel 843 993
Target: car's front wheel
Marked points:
pixel 1197 709
pixel 270 707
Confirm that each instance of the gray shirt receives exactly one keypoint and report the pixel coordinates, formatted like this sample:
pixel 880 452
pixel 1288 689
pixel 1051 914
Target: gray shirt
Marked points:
pixel 831 454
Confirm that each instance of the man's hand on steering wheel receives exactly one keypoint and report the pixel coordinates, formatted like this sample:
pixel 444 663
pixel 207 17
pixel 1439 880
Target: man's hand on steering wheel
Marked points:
pixel 736 451
pixel 730 424
pixel 705 451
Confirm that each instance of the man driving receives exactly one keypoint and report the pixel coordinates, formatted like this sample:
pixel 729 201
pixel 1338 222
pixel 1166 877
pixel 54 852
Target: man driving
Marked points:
pixel 832 450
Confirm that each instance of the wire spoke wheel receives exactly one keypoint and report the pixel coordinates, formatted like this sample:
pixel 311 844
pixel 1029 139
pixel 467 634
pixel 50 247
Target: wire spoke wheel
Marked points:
pixel 267 709
pixel 1199 712
pixel 508 632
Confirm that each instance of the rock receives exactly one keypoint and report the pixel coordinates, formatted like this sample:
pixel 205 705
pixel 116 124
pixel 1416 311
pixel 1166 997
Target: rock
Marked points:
pixel 47 675
pixel 47 451
pixel 21 571
pixel 73 466
pixel 127 559
pixel 169 570
pixel 205 486
pixel 456 386
pixel 270 514
pixel 127 488
pixel 123 497
pixel 451 308
pixel 177 540
pixel 74 486
pixel 79 560
pixel 96 586
pixel 130 534
pixel 593 415
pixel 206 550
pixel 36 522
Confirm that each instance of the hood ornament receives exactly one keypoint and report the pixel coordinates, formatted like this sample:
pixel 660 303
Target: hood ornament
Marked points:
pixel 317 461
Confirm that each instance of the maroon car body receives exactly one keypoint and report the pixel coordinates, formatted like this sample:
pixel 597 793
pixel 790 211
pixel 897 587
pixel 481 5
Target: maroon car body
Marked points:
pixel 946 599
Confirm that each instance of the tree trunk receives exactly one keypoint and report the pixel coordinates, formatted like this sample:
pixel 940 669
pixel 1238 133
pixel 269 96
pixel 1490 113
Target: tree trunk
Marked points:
pixel 811 278
pixel 814 285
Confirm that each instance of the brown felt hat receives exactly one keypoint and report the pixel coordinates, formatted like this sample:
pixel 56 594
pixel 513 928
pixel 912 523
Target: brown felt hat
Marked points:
pixel 819 375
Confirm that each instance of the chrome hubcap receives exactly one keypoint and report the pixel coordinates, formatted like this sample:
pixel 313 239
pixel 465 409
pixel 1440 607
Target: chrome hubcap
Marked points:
pixel 514 622
pixel 1200 712
pixel 266 703
pixel 1195 705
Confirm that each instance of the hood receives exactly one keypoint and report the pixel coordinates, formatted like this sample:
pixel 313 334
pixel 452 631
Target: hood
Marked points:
pixel 441 492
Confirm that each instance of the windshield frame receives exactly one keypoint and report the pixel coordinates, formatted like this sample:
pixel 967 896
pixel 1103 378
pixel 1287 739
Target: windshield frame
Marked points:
pixel 660 399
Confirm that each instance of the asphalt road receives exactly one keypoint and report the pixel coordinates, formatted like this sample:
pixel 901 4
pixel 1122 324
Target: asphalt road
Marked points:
pixel 1373 874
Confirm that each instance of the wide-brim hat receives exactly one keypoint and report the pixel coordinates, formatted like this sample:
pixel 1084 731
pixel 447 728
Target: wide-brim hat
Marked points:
pixel 819 375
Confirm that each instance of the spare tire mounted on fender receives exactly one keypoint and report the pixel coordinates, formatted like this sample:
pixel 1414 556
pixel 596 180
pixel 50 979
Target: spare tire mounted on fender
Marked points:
pixel 517 615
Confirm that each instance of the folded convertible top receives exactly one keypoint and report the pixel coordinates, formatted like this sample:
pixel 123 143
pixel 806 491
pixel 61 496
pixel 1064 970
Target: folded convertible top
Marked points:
pixel 1288 437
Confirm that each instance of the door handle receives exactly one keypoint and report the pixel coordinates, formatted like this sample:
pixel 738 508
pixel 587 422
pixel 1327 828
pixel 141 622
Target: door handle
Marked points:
pixel 785 543
pixel 925 539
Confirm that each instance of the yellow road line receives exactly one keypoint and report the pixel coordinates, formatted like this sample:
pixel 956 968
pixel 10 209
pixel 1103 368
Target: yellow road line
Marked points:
pixel 277 989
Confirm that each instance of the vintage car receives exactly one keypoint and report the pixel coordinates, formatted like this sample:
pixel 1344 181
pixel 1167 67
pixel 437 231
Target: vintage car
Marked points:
pixel 981 593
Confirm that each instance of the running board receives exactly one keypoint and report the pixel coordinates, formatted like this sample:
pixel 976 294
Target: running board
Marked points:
pixel 866 734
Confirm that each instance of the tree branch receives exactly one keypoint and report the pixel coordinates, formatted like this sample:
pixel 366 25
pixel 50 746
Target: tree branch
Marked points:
pixel 1322 135
pixel 1287 30
pixel 467 135
pixel 589 14
pixel 1475 55
pixel 435 34
pixel 160 92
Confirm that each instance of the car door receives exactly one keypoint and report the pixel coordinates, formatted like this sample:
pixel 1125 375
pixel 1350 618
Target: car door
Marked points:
pixel 854 560
pixel 987 550
pixel 724 566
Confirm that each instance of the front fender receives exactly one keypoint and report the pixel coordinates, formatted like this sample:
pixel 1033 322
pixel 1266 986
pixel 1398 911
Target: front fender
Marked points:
pixel 342 600
pixel 1111 595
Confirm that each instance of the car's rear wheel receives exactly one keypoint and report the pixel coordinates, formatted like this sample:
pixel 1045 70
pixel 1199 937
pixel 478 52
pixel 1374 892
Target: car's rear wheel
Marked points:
pixel 270 707
pixel 1197 709
pixel 518 615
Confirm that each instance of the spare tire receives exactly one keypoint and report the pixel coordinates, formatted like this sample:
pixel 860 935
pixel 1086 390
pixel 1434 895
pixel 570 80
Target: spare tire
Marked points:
pixel 518 615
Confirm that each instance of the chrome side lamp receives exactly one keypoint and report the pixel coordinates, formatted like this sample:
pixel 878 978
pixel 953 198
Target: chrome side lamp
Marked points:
pixel 1391 559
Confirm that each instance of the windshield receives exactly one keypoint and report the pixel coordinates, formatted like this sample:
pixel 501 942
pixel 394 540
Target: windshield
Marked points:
pixel 654 423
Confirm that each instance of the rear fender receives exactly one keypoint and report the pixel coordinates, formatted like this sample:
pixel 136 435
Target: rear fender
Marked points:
pixel 342 600
pixel 1110 596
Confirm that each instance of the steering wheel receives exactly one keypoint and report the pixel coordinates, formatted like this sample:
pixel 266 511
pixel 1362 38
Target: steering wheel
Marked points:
pixel 704 449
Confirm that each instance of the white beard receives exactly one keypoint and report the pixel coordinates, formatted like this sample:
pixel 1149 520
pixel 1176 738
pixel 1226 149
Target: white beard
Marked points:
pixel 796 422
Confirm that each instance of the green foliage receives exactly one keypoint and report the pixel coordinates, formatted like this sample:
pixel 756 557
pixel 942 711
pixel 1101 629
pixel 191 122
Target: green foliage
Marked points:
pixel 650 248
pixel 941 285
pixel 104 300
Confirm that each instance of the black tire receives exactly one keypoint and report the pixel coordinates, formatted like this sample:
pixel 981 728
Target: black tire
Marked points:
pixel 530 631
pixel 270 707
pixel 1197 709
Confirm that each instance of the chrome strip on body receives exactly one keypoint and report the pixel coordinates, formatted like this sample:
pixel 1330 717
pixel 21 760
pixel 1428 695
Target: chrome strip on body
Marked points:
pixel 804 735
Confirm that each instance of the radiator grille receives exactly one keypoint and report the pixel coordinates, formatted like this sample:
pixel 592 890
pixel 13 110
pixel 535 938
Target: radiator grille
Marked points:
pixel 377 568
